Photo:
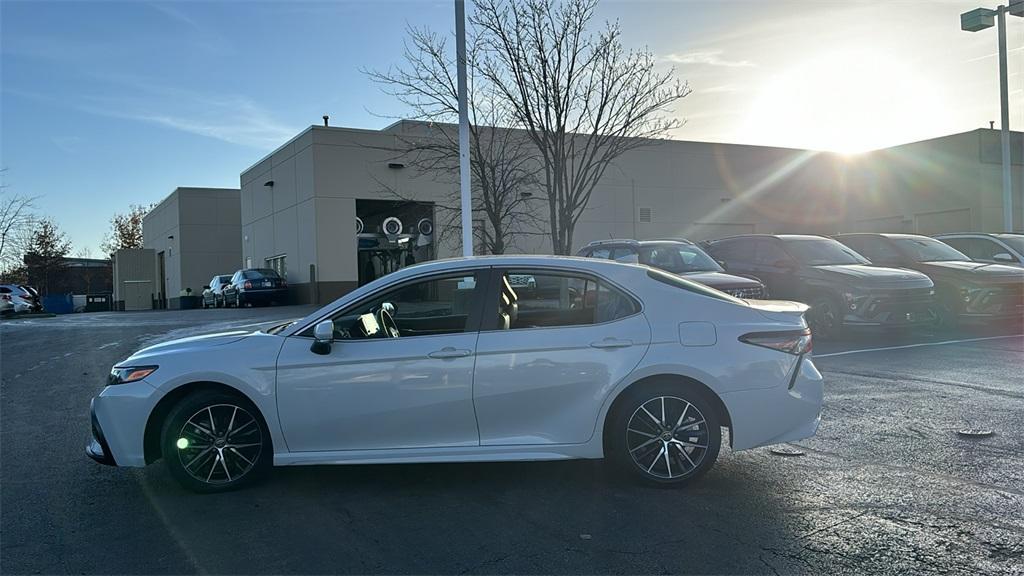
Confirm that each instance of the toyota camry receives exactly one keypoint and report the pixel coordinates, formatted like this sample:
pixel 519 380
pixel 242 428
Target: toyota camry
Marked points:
pixel 448 362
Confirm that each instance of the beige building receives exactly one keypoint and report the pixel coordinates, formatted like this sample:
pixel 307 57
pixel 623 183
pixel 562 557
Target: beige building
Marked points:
pixel 299 204
pixel 195 233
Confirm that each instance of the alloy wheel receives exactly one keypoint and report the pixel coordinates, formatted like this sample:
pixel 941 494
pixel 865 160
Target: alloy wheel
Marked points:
pixel 667 437
pixel 219 444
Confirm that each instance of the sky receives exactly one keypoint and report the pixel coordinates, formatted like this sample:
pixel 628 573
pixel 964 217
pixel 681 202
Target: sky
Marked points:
pixel 108 104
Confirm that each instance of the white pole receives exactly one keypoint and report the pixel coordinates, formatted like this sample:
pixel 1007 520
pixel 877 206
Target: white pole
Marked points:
pixel 464 176
pixel 1004 113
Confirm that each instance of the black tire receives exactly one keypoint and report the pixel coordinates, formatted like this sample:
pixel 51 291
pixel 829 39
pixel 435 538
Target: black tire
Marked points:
pixel 248 454
pixel 690 423
pixel 825 318
pixel 946 318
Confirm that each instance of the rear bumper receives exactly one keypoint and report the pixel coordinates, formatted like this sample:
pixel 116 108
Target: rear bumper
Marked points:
pixel 268 295
pixel 788 412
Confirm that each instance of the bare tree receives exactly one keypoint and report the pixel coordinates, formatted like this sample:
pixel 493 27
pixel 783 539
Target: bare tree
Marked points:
pixel 582 98
pixel 502 161
pixel 125 230
pixel 17 220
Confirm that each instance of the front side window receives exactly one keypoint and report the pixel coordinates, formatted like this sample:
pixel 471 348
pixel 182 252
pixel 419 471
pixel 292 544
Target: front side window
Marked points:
pixel 976 248
pixel 604 253
pixel 769 253
pixel 1015 241
pixel 928 250
pixel 822 252
pixel 424 308
pixel 733 250
pixel 560 299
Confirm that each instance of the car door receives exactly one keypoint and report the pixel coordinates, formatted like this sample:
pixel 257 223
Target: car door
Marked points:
pixel 375 392
pixel 546 363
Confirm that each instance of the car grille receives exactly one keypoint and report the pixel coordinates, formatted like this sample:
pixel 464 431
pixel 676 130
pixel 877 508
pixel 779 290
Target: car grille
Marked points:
pixel 753 292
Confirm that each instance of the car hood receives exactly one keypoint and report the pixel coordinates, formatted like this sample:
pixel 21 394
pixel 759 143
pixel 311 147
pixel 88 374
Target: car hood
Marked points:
pixel 973 271
pixel 191 343
pixel 866 276
pixel 720 280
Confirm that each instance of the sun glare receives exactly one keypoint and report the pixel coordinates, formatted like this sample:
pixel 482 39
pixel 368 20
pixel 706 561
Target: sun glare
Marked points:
pixel 844 101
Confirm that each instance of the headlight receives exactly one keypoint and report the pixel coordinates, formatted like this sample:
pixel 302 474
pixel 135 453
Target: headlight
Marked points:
pixel 126 374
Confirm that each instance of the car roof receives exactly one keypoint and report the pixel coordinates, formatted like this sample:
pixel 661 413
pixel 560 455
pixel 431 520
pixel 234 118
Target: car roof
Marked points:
pixel 978 234
pixel 773 236
pixel 632 242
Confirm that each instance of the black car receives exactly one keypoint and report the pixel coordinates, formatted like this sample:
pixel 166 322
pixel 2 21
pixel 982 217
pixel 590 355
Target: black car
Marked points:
pixel 677 256
pixel 841 286
pixel 964 289
pixel 255 286
pixel 213 294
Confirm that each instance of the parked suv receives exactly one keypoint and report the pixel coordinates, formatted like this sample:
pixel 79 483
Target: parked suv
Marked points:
pixel 680 257
pixel 994 248
pixel 839 284
pixel 22 298
pixel 964 289
pixel 254 286
pixel 213 295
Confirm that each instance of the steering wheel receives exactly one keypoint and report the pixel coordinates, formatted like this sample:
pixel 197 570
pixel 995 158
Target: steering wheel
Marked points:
pixel 387 323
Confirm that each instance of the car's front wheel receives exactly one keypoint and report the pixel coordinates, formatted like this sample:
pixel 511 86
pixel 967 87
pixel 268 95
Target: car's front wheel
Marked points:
pixel 664 434
pixel 213 441
pixel 825 317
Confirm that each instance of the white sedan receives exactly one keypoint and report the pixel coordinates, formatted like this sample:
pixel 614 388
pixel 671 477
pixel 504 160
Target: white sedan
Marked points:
pixel 443 362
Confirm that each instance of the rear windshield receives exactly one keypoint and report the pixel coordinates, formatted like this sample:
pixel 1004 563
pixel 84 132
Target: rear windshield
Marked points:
pixel 689 286
pixel 257 273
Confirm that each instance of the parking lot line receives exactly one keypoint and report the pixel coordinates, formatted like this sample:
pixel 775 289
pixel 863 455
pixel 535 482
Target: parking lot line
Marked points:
pixel 918 345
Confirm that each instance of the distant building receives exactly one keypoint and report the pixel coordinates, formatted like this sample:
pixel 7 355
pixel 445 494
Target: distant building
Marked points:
pixel 89 276
pixel 300 204
pixel 195 233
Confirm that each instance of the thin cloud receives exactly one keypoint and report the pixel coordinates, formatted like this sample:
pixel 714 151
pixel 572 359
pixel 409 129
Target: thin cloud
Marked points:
pixel 707 58
pixel 230 118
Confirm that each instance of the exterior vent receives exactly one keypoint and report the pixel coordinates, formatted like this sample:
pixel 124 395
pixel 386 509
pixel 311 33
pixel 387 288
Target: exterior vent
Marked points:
pixel 644 213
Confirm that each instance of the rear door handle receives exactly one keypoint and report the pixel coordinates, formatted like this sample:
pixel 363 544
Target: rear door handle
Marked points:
pixel 611 343
pixel 449 352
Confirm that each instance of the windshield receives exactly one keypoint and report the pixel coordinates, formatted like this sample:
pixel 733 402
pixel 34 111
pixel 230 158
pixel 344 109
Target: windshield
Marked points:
pixel 678 258
pixel 822 252
pixel 224 279
pixel 928 250
pixel 1015 241
pixel 258 273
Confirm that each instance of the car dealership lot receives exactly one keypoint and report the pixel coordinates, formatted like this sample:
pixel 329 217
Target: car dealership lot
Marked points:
pixel 887 485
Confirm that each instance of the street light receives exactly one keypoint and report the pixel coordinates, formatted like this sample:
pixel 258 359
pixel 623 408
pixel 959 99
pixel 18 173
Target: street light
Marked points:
pixel 980 19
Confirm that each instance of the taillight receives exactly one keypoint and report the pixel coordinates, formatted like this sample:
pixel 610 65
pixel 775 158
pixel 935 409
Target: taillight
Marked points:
pixel 247 285
pixel 790 341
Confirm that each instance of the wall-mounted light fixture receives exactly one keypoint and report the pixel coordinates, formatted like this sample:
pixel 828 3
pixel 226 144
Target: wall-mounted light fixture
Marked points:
pixel 396 165
pixel 269 183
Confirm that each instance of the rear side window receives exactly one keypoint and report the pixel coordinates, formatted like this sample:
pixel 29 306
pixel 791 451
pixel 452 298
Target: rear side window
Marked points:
pixel 604 253
pixel 560 299
pixel 677 282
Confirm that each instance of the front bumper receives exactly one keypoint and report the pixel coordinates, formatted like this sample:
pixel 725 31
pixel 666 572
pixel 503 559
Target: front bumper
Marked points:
pixel 907 307
pixel 119 416
pixel 97 448
pixel 785 413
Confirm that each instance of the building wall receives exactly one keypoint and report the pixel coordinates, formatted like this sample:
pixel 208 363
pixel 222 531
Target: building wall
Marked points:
pixel 667 188
pixel 205 224
pixel 134 277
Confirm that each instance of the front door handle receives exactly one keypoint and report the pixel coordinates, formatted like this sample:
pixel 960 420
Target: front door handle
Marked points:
pixel 449 352
pixel 611 343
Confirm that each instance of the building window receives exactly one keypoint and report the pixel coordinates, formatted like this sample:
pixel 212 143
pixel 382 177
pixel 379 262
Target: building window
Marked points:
pixel 277 264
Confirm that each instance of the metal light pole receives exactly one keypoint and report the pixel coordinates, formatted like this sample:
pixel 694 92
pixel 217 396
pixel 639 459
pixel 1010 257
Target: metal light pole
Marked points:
pixel 464 175
pixel 980 19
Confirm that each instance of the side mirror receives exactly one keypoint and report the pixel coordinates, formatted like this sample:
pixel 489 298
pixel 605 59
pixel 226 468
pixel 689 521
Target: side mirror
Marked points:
pixel 323 336
pixel 1003 257
pixel 722 264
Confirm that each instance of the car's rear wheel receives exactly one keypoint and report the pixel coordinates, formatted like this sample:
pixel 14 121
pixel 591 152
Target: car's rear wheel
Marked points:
pixel 664 434
pixel 825 317
pixel 213 441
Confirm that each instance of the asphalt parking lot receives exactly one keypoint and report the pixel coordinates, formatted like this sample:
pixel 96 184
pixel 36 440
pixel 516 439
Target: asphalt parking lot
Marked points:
pixel 886 487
